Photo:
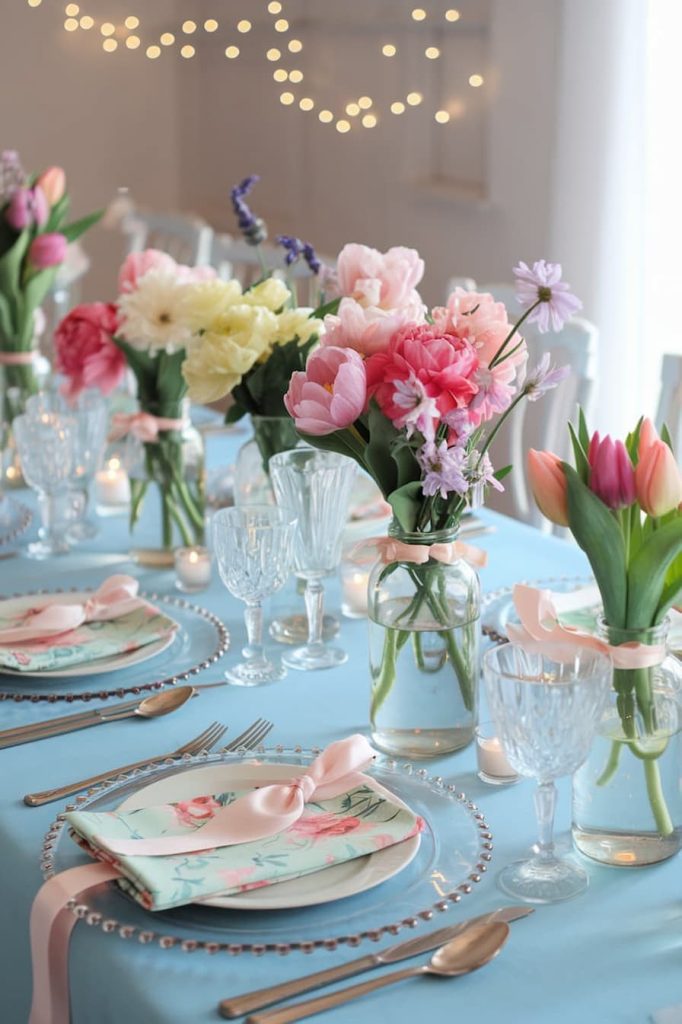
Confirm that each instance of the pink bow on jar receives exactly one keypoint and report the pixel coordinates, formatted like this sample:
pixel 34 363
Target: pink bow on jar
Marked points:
pixel 142 425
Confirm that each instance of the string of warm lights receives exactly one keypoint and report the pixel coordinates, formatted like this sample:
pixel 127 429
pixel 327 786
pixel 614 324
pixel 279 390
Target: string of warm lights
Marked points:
pixel 363 111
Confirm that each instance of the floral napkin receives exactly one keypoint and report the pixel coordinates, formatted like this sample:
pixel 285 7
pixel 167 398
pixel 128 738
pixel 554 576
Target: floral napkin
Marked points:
pixel 332 831
pixel 89 642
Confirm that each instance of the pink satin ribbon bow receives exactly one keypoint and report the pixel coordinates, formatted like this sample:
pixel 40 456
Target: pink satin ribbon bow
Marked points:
pixel 142 425
pixel 390 550
pixel 541 632
pixel 17 358
pixel 263 812
pixel 116 597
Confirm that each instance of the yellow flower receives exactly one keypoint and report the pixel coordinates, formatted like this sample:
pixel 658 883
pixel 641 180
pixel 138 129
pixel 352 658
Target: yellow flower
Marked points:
pixel 297 323
pixel 218 360
pixel 271 293
pixel 207 301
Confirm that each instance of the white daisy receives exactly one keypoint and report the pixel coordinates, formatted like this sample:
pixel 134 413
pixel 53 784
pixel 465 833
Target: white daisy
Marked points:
pixel 156 316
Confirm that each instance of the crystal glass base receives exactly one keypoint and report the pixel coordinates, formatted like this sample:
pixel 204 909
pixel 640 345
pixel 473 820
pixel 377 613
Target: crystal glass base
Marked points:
pixel 308 659
pixel 258 673
pixel 41 549
pixel 421 743
pixel 84 529
pixel 626 849
pixel 293 629
pixel 543 880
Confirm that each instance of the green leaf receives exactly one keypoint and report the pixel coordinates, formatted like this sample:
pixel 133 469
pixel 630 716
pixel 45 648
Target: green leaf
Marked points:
pixel 582 464
pixel 10 278
pixel 406 503
pixel 404 457
pixel 583 432
pixel 73 231
pixel 647 573
pixel 600 537
pixel 632 442
pixel 382 465
pixel 58 213
pixel 6 331
pixel 671 596
pixel 665 436
pixel 328 308
pixel 500 474
pixel 338 442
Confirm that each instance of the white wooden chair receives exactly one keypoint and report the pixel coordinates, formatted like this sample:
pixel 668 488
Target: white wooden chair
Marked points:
pixel 543 424
pixel 234 258
pixel 187 239
pixel 670 400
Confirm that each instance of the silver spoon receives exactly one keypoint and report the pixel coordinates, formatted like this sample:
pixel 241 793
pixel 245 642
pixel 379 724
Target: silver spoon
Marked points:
pixel 154 706
pixel 473 948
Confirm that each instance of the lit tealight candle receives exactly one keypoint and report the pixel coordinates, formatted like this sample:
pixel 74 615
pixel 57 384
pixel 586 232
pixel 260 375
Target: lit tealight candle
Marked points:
pixel 493 766
pixel 112 486
pixel 354 580
pixel 193 569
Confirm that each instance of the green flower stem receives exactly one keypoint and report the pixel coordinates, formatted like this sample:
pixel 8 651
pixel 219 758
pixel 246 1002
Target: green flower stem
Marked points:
pixel 657 799
pixel 166 524
pixel 177 517
pixel 612 764
pixel 394 641
pixel 498 357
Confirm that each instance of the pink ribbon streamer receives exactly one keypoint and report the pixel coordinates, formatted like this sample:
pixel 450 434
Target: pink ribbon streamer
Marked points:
pixel 263 812
pixel 17 358
pixel 541 632
pixel 142 425
pixel 388 549
pixel 116 597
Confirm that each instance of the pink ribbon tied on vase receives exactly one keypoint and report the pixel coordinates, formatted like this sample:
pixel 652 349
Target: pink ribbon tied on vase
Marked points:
pixel 388 549
pixel 263 812
pixel 142 425
pixel 541 632
pixel 116 597
pixel 17 358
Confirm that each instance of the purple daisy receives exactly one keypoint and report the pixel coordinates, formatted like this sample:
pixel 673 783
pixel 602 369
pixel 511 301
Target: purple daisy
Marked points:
pixel 443 468
pixel 543 378
pixel 542 286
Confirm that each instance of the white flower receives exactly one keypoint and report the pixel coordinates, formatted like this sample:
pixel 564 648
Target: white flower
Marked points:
pixel 156 316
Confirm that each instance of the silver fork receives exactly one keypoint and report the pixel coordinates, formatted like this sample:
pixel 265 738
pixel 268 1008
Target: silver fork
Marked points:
pixel 204 741
pixel 251 736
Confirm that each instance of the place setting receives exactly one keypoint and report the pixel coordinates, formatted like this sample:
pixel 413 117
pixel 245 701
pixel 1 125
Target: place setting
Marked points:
pixel 340 590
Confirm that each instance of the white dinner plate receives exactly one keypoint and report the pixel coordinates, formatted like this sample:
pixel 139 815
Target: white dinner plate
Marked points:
pixel 333 883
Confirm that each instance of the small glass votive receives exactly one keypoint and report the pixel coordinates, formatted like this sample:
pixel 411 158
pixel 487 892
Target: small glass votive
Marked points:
pixel 192 569
pixel 493 766
pixel 354 580
pixel 112 488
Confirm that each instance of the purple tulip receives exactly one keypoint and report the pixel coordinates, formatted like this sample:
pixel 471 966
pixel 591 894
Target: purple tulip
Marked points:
pixel 48 250
pixel 612 477
pixel 28 206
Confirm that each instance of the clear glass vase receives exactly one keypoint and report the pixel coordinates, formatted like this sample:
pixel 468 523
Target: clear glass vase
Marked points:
pixel 271 435
pixel 627 798
pixel 17 383
pixel 167 482
pixel 424 660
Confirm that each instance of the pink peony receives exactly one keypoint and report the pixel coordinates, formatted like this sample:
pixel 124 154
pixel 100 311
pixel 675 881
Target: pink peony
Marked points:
pixel 85 352
pixel 137 264
pixel 365 329
pixel 48 250
pixel 478 318
pixel 387 280
pixel 444 365
pixel 330 394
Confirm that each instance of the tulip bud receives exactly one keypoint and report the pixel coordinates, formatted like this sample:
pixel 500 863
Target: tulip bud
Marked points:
pixel 28 206
pixel 612 477
pixel 548 483
pixel 48 250
pixel 53 183
pixel 658 480
pixel 647 435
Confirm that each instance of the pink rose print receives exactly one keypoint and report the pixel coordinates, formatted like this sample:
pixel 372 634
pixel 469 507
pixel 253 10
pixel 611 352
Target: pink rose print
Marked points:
pixel 319 825
pixel 200 808
pixel 235 878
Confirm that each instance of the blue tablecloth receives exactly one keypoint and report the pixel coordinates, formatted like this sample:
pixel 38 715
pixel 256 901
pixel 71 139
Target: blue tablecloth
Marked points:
pixel 612 956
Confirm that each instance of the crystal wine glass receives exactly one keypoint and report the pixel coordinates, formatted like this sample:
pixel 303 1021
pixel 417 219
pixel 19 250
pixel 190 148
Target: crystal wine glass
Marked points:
pixel 46 446
pixel 316 485
pixel 253 548
pixel 90 413
pixel 545 713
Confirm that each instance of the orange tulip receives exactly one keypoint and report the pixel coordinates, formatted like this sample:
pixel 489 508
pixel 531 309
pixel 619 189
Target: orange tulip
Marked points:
pixel 548 483
pixel 53 183
pixel 647 435
pixel 658 480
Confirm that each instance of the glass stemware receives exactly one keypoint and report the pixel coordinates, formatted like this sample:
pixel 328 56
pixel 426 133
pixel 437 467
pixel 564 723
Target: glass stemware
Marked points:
pixel 46 446
pixel 316 485
pixel 90 414
pixel 545 713
pixel 253 548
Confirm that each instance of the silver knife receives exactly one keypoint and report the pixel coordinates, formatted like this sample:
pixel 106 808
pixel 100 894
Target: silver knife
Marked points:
pixel 240 1005
pixel 81 720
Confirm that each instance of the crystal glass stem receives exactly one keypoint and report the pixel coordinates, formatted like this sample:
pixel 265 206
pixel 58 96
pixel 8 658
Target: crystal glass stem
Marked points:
pixel 314 606
pixel 51 533
pixel 253 617
pixel 545 806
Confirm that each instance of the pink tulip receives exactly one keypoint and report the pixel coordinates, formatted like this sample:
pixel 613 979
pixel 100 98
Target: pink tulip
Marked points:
pixel 612 477
pixel 330 394
pixel 48 250
pixel 647 435
pixel 53 183
pixel 548 484
pixel 28 206
pixel 658 480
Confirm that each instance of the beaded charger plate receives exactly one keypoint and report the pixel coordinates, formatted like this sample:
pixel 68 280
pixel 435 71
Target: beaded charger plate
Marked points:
pixel 15 519
pixel 200 641
pixel 451 859
pixel 497 607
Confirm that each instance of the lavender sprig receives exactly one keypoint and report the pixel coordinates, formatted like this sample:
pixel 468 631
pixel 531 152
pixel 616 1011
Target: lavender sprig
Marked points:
pixel 295 249
pixel 252 228
pixel 12 174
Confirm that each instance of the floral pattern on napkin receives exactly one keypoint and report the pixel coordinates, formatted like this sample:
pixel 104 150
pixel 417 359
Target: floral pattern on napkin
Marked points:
pixel 351 825
pixel 90 642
